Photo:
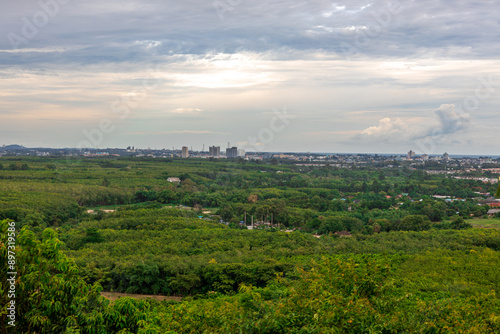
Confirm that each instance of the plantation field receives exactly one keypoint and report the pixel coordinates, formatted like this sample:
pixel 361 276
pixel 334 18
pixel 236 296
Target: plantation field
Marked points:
pixel 113 296
pixel 413 263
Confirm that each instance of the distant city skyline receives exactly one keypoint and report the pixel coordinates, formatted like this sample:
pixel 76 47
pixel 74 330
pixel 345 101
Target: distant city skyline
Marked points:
pixel 271 76
pixel 241 152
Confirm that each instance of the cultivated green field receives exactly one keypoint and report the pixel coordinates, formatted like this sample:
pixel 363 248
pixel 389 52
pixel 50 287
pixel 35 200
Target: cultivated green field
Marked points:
pixel 405 263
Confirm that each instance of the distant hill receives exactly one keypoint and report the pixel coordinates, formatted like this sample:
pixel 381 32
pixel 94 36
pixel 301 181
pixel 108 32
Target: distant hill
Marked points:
pixel 13 147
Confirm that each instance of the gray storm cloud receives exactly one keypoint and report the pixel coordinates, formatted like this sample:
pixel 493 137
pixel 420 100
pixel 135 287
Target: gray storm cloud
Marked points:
pixel 92 31
pixel 450 121
pixel 335 64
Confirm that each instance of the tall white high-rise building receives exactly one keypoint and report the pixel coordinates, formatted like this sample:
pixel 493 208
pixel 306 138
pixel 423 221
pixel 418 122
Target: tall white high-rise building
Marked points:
pixel 185 152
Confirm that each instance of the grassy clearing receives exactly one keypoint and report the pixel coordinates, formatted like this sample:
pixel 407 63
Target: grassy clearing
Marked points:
pixel 485 223
pixel 112 296
pixel 116 206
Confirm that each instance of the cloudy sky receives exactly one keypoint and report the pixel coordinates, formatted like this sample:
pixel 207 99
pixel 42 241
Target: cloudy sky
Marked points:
pixel 267 75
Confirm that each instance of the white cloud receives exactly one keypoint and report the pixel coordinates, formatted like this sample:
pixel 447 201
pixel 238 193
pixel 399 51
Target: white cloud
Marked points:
pixel 186 110
pixel 446 121
pixel 387 128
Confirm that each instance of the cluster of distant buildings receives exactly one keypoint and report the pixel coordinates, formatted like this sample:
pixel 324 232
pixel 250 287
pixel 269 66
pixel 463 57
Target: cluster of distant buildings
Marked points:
pixel 214 152
pixel 432 163
pixel 424 157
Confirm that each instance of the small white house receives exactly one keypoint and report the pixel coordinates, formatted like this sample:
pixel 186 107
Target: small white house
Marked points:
pixel 174 180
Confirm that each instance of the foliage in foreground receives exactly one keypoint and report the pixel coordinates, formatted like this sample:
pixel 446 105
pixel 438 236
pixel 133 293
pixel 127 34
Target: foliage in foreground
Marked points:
pixel 50 297
pixel 359 295
pixel 439 291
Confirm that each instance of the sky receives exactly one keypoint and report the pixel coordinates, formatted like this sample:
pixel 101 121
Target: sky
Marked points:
pixel 263 75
